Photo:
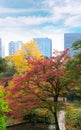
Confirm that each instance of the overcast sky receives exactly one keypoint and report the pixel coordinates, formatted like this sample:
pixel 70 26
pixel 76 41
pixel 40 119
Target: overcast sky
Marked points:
pixel 27 19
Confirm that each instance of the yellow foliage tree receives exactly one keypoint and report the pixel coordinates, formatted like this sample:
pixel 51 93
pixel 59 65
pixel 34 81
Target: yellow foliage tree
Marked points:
pixel 31 49
pixel 28 50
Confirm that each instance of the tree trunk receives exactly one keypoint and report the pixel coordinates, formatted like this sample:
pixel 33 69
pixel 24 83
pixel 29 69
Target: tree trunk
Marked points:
pixel 55 112
pixel 56 121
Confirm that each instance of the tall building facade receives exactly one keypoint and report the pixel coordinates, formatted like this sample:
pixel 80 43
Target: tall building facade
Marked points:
pixel 69 39
pixel 14 46
pixel 45 46
pixel 0 48
pixel 2 52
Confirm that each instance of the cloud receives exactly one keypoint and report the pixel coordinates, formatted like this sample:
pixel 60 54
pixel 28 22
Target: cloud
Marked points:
pixel 17 10
pixel 68 9
pixel 64 9
pixel 73 21
pixel 26 21
pixel 21 23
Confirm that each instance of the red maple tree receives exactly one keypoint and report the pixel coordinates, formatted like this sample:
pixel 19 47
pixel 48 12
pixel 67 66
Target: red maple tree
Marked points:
pixel 47 77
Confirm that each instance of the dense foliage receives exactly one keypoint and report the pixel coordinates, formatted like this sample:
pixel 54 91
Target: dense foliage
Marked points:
pixel 41 86
pixel 3 110
pixel 74 68
pixel 19 60
pixel 3 66
pixel 39 115
pixel 34 83
pixel 73 119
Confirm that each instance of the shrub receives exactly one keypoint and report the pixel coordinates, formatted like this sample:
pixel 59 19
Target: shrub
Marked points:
pixel 73 119
pixel 3 110
pixel 39 115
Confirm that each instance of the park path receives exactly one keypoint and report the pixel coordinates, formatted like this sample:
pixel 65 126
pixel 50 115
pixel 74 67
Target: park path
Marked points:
pixel 61 120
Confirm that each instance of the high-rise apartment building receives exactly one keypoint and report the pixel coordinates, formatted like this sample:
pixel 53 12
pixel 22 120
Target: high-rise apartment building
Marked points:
pixel 69 39
pixel 14 46
pixel 2 53
pixel 0 48
pixel 45 46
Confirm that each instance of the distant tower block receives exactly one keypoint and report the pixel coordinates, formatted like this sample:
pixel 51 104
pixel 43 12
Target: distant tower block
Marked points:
pixel 69 39
pixel 45 46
